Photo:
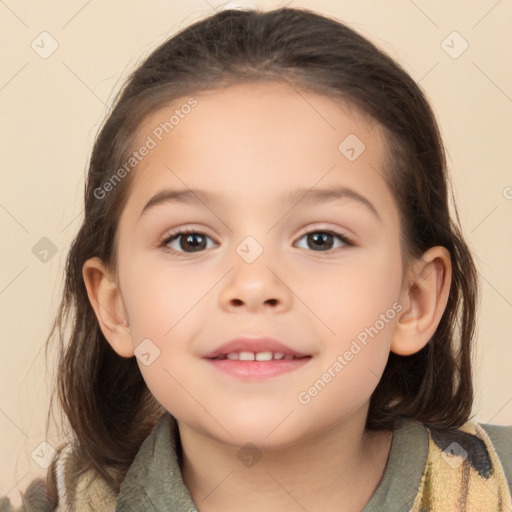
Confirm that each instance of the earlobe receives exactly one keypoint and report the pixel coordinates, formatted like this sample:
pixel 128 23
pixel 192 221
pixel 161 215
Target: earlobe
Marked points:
pixel 424 296
pixel 106 300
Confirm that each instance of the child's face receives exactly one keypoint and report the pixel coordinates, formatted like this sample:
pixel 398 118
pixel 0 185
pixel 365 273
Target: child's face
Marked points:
pixel 250 147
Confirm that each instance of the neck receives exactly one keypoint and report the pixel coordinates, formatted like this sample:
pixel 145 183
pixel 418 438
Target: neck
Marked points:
pixel 345 462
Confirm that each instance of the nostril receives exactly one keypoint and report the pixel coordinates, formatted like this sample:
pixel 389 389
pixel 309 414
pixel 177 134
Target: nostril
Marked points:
pixel 239 302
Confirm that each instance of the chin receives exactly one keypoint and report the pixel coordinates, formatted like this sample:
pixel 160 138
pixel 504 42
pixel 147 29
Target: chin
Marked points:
pixel 263 430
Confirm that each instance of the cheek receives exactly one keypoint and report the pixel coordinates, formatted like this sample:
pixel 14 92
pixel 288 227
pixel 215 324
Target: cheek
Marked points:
pixel 353 295
pixel 362 309
pixel 162 307
pixel 157 299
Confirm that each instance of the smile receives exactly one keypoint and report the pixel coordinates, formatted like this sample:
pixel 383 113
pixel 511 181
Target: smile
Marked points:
pixel 256 356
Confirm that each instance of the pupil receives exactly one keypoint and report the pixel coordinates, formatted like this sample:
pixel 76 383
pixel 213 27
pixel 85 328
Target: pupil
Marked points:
pixel 187 241
pixel 322 236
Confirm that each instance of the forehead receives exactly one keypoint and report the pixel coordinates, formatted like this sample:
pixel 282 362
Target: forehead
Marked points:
pixel 248 140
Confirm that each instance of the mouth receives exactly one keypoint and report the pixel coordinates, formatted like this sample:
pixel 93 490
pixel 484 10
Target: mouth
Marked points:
pixel 244 348
pixel 256 358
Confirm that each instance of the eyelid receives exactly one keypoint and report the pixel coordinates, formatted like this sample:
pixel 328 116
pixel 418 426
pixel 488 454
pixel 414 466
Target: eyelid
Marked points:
pixel 183 230
pixel 317 227
pixel 304 231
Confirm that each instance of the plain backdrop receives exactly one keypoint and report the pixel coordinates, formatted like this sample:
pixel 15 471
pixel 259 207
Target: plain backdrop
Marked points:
pixel 63 62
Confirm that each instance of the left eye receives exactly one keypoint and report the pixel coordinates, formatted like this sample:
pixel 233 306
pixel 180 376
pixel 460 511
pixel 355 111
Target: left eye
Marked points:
pixel 324 239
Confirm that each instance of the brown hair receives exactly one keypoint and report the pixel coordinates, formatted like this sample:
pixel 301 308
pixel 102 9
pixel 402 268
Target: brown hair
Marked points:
pixel 108 405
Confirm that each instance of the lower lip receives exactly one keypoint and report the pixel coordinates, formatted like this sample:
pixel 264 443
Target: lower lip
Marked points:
pixel 258 370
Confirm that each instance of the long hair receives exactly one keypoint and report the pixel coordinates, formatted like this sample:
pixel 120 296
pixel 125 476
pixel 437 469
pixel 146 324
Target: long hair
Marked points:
pixel 104 397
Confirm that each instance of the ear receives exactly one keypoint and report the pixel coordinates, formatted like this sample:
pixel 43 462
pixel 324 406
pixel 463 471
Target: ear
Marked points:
pixel 106 299
pixel 424 298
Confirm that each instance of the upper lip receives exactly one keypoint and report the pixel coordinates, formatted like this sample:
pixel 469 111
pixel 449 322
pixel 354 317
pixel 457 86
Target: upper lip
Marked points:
pixel 248 344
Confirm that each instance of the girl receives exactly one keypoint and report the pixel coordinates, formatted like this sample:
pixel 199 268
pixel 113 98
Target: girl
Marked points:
pixel 270 305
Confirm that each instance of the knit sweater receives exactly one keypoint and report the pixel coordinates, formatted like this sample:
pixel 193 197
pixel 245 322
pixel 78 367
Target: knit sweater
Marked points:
pixel 466 469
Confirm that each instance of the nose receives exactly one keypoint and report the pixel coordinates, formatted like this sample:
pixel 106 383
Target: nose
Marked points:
pixel 255 287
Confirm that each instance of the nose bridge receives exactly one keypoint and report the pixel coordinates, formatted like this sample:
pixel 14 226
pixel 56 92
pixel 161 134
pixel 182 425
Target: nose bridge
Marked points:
pixel 253 281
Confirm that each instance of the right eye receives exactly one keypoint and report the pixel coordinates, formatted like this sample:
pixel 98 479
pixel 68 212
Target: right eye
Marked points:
pixel 185 241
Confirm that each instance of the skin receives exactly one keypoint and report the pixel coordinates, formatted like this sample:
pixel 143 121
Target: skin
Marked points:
pixel 251 144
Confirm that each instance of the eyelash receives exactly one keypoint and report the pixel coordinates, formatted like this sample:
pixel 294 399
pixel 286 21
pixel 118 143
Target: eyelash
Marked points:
pixel 186 231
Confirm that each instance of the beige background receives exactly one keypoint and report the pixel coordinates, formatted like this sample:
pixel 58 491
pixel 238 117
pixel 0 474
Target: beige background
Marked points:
pixel 52 107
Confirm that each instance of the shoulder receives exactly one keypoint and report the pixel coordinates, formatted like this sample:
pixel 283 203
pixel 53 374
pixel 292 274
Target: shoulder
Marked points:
pixel 501 438
pixel 34 499
pixel 61 491
pixel 487 447
pixel 471 464
pixel 84 493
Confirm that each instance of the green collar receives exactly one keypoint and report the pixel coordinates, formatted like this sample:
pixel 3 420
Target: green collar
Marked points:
pixel 154 481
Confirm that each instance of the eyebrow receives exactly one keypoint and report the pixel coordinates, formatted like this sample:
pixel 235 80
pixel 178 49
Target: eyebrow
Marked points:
pixel 307 196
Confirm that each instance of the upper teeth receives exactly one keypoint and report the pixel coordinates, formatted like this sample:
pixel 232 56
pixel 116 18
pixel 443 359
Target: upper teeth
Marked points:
pixel 258 356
